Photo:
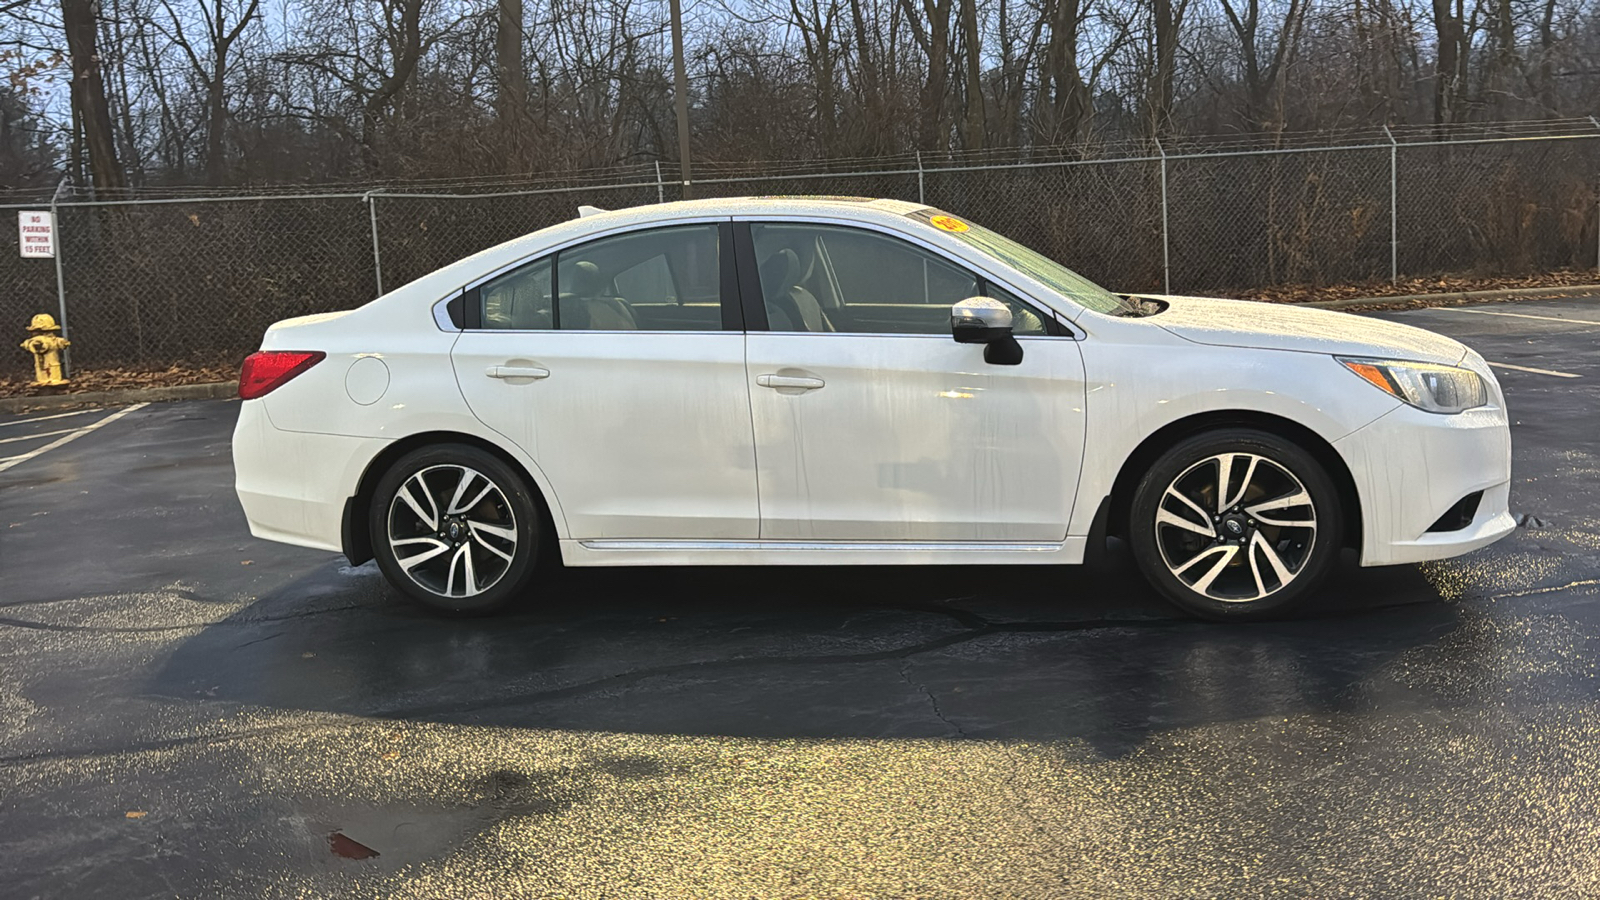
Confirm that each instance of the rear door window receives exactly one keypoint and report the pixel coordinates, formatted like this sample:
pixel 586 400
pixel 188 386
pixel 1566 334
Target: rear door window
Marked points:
pixel 659 279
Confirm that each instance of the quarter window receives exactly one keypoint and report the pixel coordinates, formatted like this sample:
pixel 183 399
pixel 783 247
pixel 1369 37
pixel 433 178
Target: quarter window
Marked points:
pixel 519 299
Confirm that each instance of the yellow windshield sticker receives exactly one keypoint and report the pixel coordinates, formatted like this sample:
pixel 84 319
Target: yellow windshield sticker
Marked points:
pixel 949 223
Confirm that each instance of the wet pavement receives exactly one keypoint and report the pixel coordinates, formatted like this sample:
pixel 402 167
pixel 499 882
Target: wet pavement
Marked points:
pixel 186 711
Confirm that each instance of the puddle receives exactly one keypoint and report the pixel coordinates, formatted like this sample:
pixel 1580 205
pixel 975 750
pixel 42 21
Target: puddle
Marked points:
pixel 398 836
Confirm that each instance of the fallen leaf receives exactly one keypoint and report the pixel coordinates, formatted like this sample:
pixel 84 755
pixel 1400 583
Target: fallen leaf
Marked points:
pixel 349 849
pixel 134 814
pixel 115 379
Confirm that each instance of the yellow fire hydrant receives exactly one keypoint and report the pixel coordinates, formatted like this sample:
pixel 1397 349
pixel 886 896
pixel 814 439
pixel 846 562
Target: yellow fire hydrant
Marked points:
pixel 46 347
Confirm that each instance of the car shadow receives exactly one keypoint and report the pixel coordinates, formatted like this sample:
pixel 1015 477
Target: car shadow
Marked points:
pixel 1084 653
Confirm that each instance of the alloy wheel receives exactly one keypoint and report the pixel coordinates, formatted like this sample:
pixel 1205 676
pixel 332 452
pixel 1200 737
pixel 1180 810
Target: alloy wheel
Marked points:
pixel 452 531
pixel 1236 527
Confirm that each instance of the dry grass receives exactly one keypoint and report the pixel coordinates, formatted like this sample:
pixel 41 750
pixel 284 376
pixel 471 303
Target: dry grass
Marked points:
pixel 119 379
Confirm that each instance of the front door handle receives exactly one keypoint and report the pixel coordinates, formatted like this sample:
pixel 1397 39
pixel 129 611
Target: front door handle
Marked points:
pixel 517 372
pixel 790 382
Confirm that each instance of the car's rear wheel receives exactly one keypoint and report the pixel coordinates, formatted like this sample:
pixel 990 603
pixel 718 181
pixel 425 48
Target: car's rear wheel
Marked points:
pixel 455 528
pixel 1236 524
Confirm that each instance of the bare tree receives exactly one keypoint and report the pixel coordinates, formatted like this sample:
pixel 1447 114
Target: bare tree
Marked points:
pixel 172 91
pixel 511 76
pixel 931 29
pixel 222 22
pixel 1454 44
pixel 1064 92
pixel 1167 16
pixel 80 23
pixel 972 128
pixel 1263 66
pixel 818 22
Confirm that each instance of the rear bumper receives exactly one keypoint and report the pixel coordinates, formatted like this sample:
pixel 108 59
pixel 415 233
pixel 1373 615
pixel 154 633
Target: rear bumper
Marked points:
pixel 1410 467
pixel 294 485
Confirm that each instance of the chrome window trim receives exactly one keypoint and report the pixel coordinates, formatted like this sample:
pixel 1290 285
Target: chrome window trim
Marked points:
pixel 591 331
pixel 869 334
pixel 441 314
pixel 1074 332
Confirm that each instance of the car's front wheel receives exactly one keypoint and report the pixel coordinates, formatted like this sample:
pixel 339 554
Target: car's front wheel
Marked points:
pixel 1236 524
pixel 455 528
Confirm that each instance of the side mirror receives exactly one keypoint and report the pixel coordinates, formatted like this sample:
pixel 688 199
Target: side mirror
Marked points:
pixel 980 320
pixel 985 320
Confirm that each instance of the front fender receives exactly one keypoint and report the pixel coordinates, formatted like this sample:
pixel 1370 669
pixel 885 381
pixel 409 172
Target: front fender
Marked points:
pixel 1139 384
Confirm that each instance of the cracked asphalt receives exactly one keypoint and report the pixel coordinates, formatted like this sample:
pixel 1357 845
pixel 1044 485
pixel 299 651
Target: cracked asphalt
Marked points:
pixel 186 711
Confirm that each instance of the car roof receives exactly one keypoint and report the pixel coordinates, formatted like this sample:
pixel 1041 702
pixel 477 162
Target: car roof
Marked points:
pixel 735 206
pixel 451 277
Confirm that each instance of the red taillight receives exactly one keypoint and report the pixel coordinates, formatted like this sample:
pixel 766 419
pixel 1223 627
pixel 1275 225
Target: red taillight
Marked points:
pixel 265 371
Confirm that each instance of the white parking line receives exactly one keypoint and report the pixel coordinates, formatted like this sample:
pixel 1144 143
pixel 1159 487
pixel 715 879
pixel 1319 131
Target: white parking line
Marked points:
pixel 1485 312
pixel 69 437
pixel 1534 371
pixel 34 437
pixel 56 416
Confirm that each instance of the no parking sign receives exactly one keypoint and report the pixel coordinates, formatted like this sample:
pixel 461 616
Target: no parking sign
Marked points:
pixel 36 234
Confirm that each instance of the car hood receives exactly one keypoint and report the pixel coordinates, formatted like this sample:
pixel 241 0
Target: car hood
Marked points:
pixel 1277 326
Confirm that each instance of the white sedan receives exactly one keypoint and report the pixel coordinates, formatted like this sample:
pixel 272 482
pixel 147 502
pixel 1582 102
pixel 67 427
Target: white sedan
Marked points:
pixel 836 381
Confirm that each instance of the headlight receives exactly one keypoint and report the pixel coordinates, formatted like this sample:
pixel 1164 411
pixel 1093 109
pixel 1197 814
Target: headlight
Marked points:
pixel 1429 387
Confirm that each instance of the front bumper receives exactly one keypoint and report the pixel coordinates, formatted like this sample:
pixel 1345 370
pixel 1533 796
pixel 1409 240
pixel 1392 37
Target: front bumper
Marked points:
pixel 1411 466
pixel 293 485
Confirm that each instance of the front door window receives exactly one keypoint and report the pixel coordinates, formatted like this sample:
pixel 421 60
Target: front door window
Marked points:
pixel 827 278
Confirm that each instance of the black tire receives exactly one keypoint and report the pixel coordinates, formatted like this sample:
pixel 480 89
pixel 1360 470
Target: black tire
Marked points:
pixel 499 517
pixel 1235 572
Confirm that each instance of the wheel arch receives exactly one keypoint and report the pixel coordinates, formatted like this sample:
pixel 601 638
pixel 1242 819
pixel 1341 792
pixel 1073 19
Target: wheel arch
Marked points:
pixel 1144 456
pixel 354 538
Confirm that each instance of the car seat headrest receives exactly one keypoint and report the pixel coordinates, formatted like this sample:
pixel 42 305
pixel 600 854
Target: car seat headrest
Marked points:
pixel 778 272
pixel 584 280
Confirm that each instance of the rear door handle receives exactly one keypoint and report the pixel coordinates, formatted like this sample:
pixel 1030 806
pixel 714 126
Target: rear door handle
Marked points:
pixel 516 372
pixel 791 382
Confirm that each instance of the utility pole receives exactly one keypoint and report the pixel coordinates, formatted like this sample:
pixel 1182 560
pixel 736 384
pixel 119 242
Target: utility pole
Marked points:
pixel 681 77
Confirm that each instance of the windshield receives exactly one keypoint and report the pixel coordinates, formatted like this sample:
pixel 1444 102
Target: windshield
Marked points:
pixel 1029 262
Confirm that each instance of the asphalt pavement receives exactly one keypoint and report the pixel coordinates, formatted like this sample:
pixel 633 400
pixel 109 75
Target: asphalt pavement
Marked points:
pixel 186 711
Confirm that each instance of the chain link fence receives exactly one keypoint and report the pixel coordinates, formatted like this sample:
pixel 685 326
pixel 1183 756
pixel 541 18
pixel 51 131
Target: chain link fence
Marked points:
pixel 1315 217
pixel 198 279
pixel 156 284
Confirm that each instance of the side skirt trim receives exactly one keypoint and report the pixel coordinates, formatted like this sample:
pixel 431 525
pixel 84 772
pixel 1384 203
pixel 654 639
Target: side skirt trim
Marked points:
pixel 819 553
pixel 912 546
